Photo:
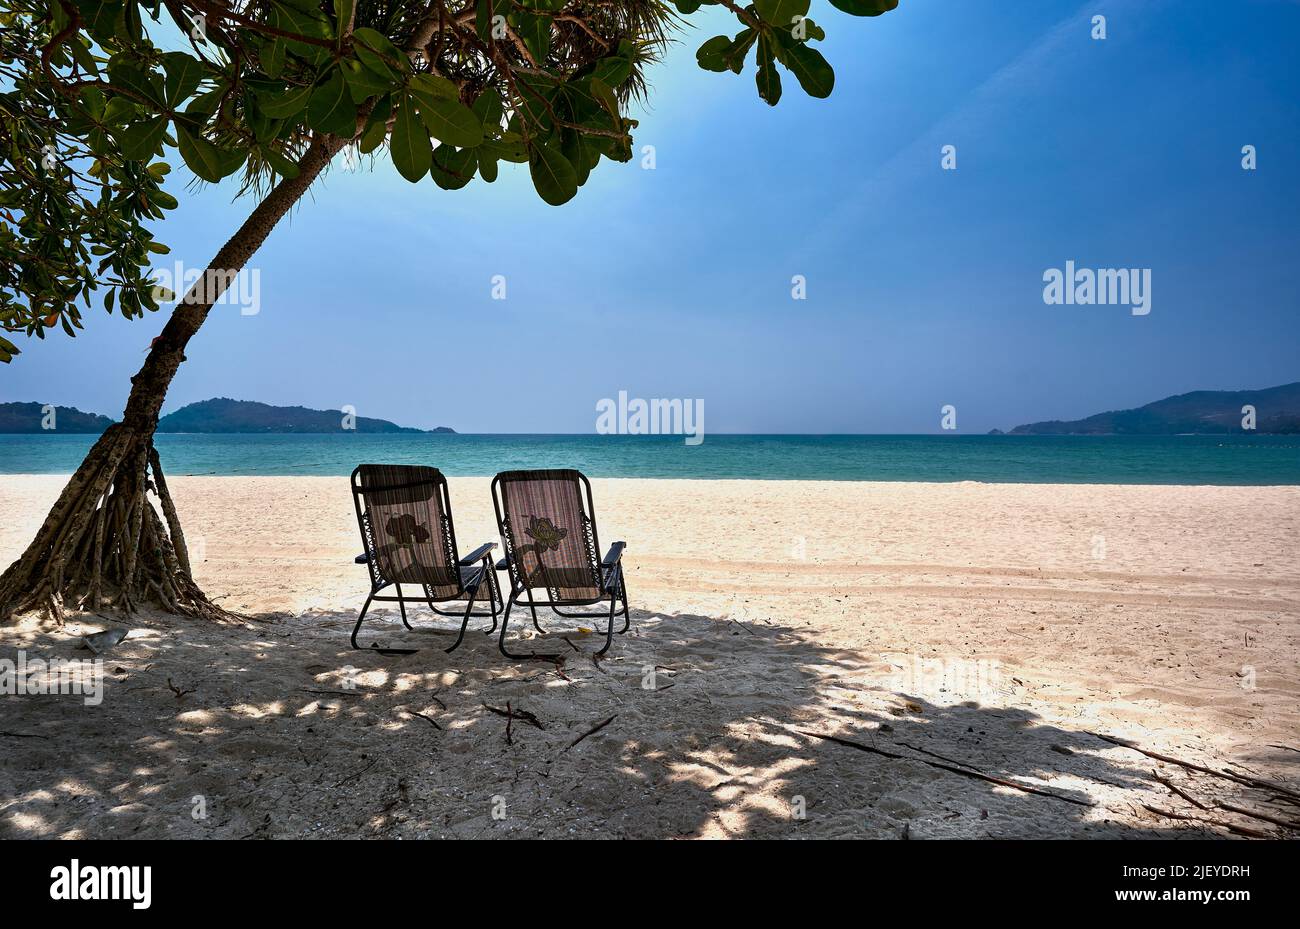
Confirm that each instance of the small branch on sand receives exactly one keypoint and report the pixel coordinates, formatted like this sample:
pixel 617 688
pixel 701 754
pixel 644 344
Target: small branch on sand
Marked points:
pixel 428 719
pixel 511 713
pixel 1284 823
pixel 331 693
pixel 1218 824
pixel 22 735
pixel 355 775
pixel 742 626
pixel 592 731
pixel 1226 775
pixel 965 771
pixel 1186 796
pixel 179 692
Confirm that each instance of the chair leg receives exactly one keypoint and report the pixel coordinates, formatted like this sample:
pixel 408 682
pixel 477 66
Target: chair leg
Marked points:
pixel 622 589
pixel 494 601
pixel 374 646
pixel 534 611
pixel 357 627
pixel 501 642
pixel 609 630
pixel 464 622
pixel 402 606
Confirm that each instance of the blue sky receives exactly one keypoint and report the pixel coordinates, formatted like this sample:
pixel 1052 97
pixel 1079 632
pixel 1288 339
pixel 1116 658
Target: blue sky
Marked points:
pixel 924 286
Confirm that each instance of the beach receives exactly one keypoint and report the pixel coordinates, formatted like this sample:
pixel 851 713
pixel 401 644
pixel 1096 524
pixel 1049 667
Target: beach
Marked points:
pixel 951 635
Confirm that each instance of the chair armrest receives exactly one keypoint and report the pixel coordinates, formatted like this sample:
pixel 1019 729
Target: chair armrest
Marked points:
pixel 614 555
pixel 363 558
pixel 503 564
pixel 478 554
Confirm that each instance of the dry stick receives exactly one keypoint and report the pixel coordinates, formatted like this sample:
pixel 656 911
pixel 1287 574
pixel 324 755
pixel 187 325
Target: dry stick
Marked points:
pixel 338 693
pixel 517 714
pixel 1247 781
pixel 1221 824
pixel 977 775
pixel 22 735
pixel 1284 823
pixel 428 719
pixel 592 731
pixel 357 774
pixel 1186 796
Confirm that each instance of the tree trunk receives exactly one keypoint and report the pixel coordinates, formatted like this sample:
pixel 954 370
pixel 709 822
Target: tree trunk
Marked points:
pixel 103 542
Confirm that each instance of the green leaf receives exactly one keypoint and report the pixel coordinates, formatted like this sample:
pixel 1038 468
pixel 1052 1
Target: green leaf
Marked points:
pixel 452 169
pixel 865 7
pixel 576 149
pixel 362 82
pixel 140 141
pixel 815 74
pixel 343 15
pixel 488 109
pixel 433 87
pixel 183 76
pixel 553 176
pixel 273 58
pixel 286 103
pixel 206 160
pixel 767 78
pixel 140 83
pixel 452 122
pixel 278 162
pixel 536 33
pixel 613 71
pixel 410 147
pixel 379 54
pixel 330 108
pixel 373 137
pixel 483 19
pixel 781 12
pixel 712 54
pixel 487 166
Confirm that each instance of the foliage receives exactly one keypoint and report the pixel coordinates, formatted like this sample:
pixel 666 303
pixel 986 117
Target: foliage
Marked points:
pixel 95 96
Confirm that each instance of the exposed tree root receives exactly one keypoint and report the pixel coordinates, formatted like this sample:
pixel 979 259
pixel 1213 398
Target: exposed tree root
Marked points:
pixel 104 546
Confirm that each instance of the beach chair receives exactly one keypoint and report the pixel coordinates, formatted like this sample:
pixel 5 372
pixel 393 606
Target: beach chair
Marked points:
pixel 551 550
pixel 404 513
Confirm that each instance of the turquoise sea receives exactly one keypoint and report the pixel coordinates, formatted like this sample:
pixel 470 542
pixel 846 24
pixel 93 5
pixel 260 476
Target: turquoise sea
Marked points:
pixel 1245 460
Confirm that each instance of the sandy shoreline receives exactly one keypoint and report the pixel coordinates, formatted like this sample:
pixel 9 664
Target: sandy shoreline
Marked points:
pixel 991 624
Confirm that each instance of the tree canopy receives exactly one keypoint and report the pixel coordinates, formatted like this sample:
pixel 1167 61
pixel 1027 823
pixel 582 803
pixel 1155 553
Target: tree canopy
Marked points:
pixel 96 97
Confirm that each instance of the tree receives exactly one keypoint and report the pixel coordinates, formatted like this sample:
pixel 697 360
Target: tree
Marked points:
pixel 275 89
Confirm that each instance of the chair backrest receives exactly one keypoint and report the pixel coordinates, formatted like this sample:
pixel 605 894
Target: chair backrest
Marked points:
pixel 404 513
pixel 548 533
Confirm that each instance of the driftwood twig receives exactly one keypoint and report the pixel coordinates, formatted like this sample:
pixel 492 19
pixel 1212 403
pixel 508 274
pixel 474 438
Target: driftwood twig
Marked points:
pixel 592 731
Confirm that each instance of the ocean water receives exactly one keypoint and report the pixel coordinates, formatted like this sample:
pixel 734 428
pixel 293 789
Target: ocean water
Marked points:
pixel 1239 460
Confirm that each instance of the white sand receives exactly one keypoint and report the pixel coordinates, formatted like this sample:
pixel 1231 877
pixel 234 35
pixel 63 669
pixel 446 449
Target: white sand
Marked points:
pixel 991 627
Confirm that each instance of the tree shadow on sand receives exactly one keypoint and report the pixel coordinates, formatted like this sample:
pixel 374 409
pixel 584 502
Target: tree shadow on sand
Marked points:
pixel 690 726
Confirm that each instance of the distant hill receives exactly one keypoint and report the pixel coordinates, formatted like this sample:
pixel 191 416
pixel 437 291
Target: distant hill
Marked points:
pixel 219 415
pixel 231 416
pixel 1202 412
pixel 27 417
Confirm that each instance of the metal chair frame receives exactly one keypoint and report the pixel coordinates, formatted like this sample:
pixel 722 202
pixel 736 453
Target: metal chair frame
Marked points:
pixel 471 584
pixel 611 582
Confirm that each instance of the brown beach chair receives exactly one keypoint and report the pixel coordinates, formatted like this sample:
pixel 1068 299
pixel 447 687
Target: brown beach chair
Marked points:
pixel 551 549
pixel 404 513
